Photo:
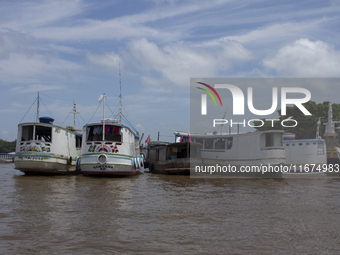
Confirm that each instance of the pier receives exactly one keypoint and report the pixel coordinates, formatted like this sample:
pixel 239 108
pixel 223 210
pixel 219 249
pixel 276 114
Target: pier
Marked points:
pixel 6 157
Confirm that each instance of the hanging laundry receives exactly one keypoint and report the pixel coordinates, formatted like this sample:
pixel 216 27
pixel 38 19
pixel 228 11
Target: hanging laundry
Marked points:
pixel 107 130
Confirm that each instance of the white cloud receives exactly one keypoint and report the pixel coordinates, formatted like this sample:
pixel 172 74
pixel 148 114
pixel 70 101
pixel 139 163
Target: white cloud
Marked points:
pixel 280 32
pixel 109 61
pixel 179 62
pixel 305 58
pixel 19 67
pixel 37 87
pixel 30 15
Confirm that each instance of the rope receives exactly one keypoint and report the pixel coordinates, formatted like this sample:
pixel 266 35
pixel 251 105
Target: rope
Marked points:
pixel 28 110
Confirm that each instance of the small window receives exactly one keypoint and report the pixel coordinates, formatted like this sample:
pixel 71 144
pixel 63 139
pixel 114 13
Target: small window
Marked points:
pixel 220 144
pixel 79 139
pixel 208 144
pixel 321 150
pixel 300 144
pixel 287 144
pixel 269 140
pixel 229 143
pixel 198 140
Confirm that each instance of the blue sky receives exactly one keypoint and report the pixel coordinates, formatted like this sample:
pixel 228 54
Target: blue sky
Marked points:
pixel 69 50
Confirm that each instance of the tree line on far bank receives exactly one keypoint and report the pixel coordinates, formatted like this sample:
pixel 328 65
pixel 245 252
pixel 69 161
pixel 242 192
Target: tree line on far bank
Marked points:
pixel 306 127
pixel 7 147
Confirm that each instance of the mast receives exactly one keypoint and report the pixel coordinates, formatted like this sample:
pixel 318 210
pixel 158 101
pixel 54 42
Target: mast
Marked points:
pixel 74 112
pixel 120 95
pixel 38 102
pixel 330 129
pixel 104 117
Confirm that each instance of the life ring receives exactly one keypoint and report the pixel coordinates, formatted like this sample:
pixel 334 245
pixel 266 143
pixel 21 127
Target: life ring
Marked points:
pixel 134 163
pixel 78 163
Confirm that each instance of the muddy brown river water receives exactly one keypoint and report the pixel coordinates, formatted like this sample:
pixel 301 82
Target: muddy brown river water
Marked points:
pixel 163 214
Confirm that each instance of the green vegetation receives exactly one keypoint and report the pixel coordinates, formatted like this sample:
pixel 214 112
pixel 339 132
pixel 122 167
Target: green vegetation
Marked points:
pixel 70 128
pixel 306 127
pixel 7 147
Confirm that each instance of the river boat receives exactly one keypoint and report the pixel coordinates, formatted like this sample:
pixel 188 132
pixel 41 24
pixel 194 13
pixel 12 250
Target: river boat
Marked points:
pixel 253 154
pixel 305 155
pixel 110 149
pixel 172 158
pixel 45 148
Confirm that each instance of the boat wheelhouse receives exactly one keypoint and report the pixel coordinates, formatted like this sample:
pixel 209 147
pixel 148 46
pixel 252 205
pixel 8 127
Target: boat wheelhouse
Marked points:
pixel 173 158
pixel 304 154
pixel 245 153
pixel 110 149
pixel 45 148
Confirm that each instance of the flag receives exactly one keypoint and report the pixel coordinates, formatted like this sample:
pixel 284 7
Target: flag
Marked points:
pixel 101 98
pixel 189 139
pixel 148 139
pixel 181 140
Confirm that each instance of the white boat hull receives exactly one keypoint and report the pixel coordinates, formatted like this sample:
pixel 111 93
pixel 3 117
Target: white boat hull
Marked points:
pixel 44 164
pixel 116 165
pixel 44 148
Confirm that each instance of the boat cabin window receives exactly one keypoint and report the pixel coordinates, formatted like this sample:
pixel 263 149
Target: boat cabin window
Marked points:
pixel 269 140
pixel 195 151
pixel 112 133
pixel 79 139
pixel 177 152
pixel 272 140
pixel 208 144
pixel 219 144
pixel 43 133
pixel 27 133
pixel 321 150
pixel 199 140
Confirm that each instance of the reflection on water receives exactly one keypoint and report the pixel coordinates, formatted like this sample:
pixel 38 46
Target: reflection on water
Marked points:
pixel 152 214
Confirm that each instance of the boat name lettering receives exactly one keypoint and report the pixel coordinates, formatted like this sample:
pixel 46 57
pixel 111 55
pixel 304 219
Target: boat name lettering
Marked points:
pixel 102 167
pixel 33 158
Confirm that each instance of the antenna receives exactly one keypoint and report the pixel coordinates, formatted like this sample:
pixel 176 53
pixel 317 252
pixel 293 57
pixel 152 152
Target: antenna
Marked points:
pixel 318 129
pixel 224 118
pixel 120 95
pixel 74 114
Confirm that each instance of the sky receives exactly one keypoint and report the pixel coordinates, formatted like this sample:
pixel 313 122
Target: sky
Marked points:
pixel 71 51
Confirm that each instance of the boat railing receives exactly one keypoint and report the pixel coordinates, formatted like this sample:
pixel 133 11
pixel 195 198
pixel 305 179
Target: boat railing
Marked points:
pixel 5 157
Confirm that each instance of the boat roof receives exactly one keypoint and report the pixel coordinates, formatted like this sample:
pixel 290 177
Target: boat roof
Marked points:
pixel 77 132
pixel 154 143
pixel 180 144
pixel 204 135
